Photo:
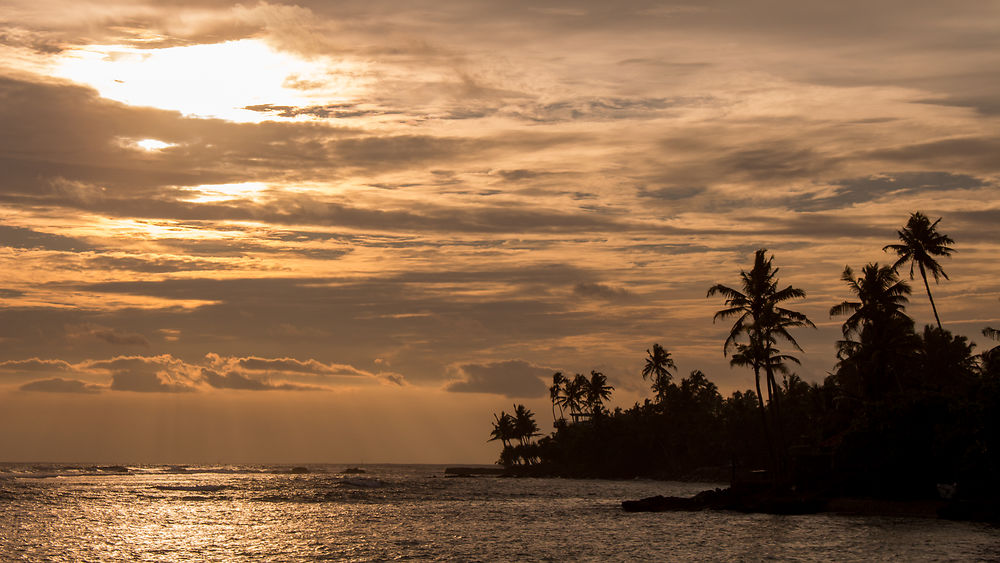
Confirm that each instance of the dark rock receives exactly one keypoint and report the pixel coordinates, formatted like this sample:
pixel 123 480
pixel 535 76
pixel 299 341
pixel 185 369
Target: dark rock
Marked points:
pixel 473 471
pixel 728 499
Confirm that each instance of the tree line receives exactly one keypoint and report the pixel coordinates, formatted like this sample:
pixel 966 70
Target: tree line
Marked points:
pixel 902 411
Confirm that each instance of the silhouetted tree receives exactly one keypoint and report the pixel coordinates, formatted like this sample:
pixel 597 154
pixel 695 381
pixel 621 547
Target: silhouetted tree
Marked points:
pixel 556 395
pixel 761 322
pixel 946 361
pixel 503 429
pixel 520 426
pixel 920 243
pixel 877 332
pixel 575 395
pixel 524 424
pixel 598 391
pixel 658 366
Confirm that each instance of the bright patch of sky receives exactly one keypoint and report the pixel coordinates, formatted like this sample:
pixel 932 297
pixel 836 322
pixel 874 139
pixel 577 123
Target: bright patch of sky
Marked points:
pixel 215 80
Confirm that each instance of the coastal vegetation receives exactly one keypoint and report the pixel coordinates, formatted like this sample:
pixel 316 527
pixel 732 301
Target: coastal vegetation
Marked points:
pixel 904 413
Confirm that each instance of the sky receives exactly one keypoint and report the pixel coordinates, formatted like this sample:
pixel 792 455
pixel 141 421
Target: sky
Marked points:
pixel 351 231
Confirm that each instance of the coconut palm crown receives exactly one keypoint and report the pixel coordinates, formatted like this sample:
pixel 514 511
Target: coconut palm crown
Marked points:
pixel 658 366
pixel 920 243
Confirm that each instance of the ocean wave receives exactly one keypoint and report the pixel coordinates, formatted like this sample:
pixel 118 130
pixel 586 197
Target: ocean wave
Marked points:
pixel 192 488
pixel 362 482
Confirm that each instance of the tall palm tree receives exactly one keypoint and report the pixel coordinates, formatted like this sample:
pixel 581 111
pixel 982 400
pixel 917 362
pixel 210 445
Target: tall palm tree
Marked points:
pixel 920 243
pixel 555 395
pixel 598 391
pixel 761 322
pixel 658 366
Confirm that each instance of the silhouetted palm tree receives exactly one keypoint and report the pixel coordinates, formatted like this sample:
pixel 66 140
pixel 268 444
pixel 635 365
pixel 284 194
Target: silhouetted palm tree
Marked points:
pixel 658 366
pixel 575 395
pixel 556 394
pixel 759 318
pixel 761 322
pixel 877 332
pixel 991 333
pixel 920 244
pixel 990 359
pixel 503 429
pixel 598 391
pixel 881 296
pixel 524 424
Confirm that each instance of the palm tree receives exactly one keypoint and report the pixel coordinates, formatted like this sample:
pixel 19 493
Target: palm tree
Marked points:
pixel 990 332
pixel 761 322
pixel 920 244
pixel 759 318
pixel 990 359
pixel 524 424
pixel 598 391
pixel 881 296
pixel 575 394
pixel 658 366
pixel 503 429
pixel 877 331
pixel 555 395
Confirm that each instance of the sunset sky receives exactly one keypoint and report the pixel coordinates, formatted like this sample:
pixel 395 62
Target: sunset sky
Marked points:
pixel 351 231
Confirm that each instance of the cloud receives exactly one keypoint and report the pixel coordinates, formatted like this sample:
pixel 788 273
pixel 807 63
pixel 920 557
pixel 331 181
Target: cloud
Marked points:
pixel 602 291
pixel 671 193
pixel 156 264
pixel 148 374
pixel 167 374
pixel 121 338
pixel 146 382
pixel 36 364
pixel 239 381
pixel 299 366
pixel 256 373
pixel 20 237
pixel 961 155
pixel 852 191
pixel 58 385
pixel 512 378
pixel 107 335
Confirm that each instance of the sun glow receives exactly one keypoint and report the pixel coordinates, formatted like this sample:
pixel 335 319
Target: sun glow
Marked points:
pixel 153 145
pixel 224 192
pixel 214 80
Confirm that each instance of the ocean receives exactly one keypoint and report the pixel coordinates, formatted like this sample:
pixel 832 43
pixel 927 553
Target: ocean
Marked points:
pixel 416 512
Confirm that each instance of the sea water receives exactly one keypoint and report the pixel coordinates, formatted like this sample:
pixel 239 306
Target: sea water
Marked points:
pixel 416 512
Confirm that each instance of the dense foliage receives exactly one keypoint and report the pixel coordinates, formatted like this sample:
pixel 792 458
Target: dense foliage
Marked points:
pixel 903 413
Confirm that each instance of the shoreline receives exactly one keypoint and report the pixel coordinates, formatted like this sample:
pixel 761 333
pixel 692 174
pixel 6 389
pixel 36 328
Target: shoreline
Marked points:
pixel 769 502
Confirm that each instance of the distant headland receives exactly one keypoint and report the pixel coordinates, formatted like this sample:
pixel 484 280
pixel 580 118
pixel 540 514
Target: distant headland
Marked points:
pixel 904 415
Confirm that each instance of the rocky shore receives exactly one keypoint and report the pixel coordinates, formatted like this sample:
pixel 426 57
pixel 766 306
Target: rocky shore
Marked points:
pixel 771 502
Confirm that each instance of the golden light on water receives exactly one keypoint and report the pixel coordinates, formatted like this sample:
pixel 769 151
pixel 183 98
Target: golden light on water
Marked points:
pixel 211 80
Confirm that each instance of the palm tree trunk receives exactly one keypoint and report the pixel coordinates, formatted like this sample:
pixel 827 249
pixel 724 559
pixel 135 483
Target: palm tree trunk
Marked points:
pixel 775 404
pixel 923 274
pixel 763 418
